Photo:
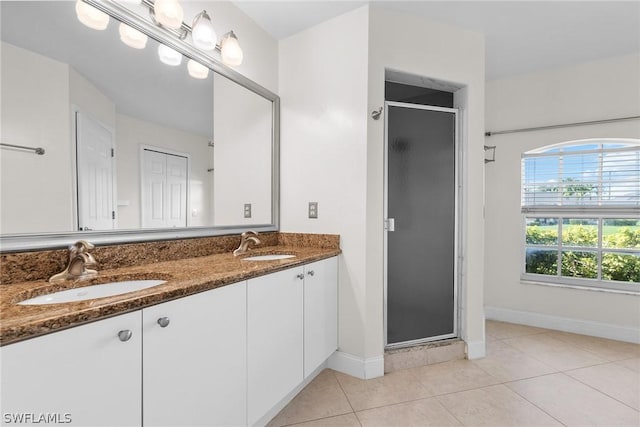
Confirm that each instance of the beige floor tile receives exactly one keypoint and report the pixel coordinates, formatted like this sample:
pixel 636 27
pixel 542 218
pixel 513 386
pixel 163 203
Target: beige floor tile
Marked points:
pixel 348 420
pixel 502 330
pixel 396 387
pixel 322 398
pixel 607 349
pixel 494 406
pixel 621 383
pixel 574 403
pixel 509 364
pixel 424 412
pixel 555 353
pixel 450 377
pixel 633 364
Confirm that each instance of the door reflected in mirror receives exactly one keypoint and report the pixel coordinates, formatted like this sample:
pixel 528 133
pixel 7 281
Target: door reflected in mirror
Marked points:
pixel 130 142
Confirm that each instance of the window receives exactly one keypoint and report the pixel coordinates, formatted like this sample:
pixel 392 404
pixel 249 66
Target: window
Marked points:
pixel 581 209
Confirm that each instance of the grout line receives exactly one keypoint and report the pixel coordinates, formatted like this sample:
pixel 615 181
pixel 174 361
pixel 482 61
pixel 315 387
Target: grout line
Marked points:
pixel 600 391
pixel 533 404
pixel 343 392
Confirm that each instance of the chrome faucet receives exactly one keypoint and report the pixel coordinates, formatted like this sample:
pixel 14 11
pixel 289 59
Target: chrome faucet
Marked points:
pixel 245 239
pixel 79 260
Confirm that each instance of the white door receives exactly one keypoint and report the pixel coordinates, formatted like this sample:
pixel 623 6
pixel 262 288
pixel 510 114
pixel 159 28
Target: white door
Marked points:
pixel 95 171
pixel 164 189
pixel 275 339
pixel 85 376
pixel 320 312
pixel 195 360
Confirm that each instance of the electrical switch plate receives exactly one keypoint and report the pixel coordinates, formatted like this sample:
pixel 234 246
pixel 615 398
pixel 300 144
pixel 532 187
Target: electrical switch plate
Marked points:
pixel 313 209
pixel 247 210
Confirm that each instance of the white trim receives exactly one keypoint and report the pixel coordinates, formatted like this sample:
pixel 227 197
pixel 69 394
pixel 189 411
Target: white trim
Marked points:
pixel 355 366
pixel 566 324
pixel 264 420
pixel 476 350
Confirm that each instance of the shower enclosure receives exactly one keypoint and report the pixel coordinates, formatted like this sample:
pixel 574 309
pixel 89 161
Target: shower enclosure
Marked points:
pixel 421 192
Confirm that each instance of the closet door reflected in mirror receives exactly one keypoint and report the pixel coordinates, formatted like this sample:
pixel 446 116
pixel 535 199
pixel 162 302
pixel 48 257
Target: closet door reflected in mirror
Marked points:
pixel 93 103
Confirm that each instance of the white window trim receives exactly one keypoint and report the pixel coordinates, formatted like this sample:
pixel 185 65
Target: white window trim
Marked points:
pixel 576 211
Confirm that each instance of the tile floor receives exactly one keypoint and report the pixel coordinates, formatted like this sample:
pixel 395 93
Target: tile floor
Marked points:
pixel 530 377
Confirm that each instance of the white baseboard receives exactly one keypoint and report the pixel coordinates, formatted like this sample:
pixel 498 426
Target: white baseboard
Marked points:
pixel 476 350
pixel 355 366
pixel 566 324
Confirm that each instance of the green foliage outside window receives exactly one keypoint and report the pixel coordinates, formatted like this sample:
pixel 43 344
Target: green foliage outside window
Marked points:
pixel 580 263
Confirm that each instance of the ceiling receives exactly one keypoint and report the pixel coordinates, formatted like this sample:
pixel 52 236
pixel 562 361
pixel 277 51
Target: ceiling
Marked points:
pixel 521 36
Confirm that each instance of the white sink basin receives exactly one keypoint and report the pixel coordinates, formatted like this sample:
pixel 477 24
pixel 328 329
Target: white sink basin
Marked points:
pixel 268 257
pixel 91 292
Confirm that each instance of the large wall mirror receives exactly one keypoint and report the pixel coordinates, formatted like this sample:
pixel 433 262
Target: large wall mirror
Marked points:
pixel 134 149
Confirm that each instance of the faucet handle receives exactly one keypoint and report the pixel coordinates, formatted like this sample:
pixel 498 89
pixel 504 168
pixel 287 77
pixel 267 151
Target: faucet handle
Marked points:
pixel 81 246
pixel 249 233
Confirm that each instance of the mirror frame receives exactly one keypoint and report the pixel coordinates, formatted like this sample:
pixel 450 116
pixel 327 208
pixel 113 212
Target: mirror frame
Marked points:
pixel 42 241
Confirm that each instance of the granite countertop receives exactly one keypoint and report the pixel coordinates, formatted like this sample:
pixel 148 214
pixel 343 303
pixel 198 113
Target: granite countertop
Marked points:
pixel 184 277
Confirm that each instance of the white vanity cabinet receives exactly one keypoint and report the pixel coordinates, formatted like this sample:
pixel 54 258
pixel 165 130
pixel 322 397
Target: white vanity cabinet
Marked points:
pixel 320 312
pixel 194 360
pixel 224 357
pixel 274 339
pixel 86 375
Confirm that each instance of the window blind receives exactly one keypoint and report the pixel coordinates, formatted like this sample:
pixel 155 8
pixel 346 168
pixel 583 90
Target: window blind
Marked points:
pixel 578 177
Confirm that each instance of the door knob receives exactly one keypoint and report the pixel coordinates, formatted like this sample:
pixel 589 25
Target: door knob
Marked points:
pixel 311 273
pixel 163 322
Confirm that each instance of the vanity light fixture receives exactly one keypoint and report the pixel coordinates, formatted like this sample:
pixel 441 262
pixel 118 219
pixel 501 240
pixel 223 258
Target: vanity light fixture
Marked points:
pixel 168 13
pixel 90 16
pixel 202 33
pixel 169 56
pixel 132 37
pixel 230 49
pixel 197 70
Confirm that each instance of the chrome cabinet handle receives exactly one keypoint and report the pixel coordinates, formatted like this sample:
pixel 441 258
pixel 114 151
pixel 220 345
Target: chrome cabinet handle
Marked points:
pixel 311 272
pixel 163 322
pixel 125 335
pixel 300 276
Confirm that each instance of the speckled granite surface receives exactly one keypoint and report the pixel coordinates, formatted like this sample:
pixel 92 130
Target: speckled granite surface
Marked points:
pixel 195 271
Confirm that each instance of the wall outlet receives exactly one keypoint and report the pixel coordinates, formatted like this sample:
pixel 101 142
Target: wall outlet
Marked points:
pixel 313 209
pixel 247 210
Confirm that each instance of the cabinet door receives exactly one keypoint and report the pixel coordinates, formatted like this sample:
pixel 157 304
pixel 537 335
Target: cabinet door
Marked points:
pixel 275 341
pixel 320 312
pixel 195 366
pixel 85 375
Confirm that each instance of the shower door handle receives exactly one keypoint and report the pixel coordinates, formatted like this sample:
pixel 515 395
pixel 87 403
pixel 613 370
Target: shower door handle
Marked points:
pixel 390 224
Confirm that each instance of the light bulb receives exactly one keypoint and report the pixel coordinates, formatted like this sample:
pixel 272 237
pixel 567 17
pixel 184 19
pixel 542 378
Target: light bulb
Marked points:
pixel 197 70
pixel 91 17
pixel 230 50
pixel 132 37
pixel 203 35
pixel 169 13
pixel 168 55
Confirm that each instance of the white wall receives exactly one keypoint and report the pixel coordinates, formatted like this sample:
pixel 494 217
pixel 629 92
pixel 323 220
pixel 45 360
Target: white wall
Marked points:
pixel 599 90
pixel 323 90
pixel 331 77
pixel 89 100
pixel 242 134
pixel 425 48
pixel 131 134
pixel 36 190
pixel 260 50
